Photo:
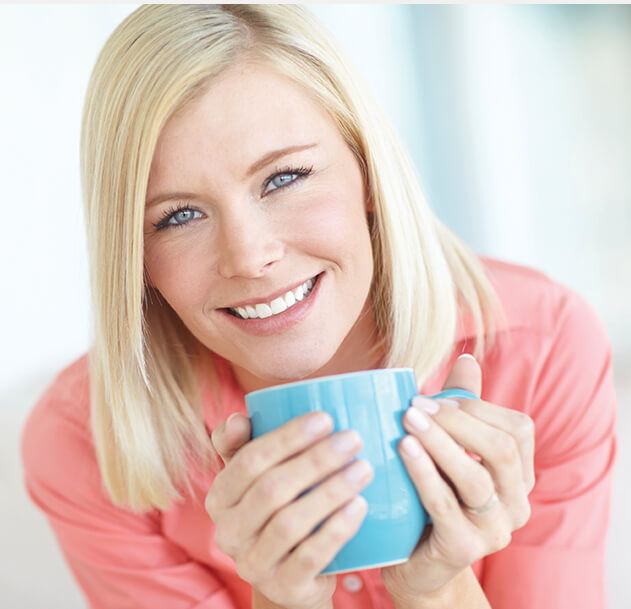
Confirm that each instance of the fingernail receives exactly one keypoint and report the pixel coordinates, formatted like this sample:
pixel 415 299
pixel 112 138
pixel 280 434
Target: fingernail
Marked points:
pixel 417 419
pixel 447 402
pixel 355 506
pixel 467 355
pixel 429 406
pixel 346 441
pixel 318 424
pixel 357 471
pixel 411 446
pixel 232 416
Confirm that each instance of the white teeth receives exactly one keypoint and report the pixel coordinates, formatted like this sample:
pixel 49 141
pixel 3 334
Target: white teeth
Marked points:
pixel 290 299
pixel 278 305
pixel 263 311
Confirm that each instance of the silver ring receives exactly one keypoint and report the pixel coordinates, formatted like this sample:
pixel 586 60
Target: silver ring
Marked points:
pixel 484 508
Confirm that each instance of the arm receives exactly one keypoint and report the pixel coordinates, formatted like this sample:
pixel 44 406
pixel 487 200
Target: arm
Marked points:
pixel 119 558
pixel 261 602
pixel 463 591
pixel 558 558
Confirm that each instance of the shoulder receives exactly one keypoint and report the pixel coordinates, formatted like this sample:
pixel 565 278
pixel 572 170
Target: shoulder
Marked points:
pixel 56 436
pixel 536 304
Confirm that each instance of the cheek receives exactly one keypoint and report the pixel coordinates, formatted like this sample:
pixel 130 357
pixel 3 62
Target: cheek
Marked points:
pixel 335 223
pixel 177 270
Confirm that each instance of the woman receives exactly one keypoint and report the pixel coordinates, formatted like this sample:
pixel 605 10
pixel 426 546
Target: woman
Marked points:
pixel 252 221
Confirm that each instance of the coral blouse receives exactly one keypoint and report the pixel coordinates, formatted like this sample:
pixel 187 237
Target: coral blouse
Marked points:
pixel 556 366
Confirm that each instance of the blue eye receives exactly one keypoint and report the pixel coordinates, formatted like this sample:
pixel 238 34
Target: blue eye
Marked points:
pixel 177 217
pixel 284 178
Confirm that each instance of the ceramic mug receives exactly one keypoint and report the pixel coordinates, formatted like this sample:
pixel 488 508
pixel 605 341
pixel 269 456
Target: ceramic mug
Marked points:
pixel 371 402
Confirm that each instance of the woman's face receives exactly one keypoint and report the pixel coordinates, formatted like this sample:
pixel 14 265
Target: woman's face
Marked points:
pixel 253 194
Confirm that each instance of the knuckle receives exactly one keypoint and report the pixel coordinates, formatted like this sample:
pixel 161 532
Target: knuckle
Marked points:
pixel 441 506
pixel 479 485
pixel 283 526
pixel 523 515
pixel 338 531
pixel 500 539
pixel 504 448
pixel 307 559
pixel 318 458
pixel 523 425
pixel 248 461
pixel 269 489
pixel 335 492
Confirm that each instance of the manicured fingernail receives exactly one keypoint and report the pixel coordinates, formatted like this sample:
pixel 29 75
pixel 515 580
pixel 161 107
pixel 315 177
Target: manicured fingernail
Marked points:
pixel 411 446
pixel 429 406
pixel 317 424
pixel 417 419
pixel 355 506
pixel 234 415
pixel 346 441
pixel 447 402
pixel 357 471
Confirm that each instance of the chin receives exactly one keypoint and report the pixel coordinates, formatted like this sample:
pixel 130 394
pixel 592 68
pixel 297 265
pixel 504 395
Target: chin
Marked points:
pixel 291 367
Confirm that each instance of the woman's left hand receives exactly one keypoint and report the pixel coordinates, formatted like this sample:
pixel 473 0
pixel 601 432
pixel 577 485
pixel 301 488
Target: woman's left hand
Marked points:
pixel 475 503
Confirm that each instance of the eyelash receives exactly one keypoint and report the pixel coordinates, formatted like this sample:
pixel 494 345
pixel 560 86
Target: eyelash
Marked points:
pixel 299 172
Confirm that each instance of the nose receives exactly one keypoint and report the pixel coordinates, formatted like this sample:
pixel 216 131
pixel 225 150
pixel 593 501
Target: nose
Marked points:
pixel 249 246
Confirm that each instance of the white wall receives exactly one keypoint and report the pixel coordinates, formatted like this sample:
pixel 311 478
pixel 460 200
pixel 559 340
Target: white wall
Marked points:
pixel 545 123
pixel 47 54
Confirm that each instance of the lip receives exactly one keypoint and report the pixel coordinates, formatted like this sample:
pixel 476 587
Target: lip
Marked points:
pixel 269 297
pixel 280 322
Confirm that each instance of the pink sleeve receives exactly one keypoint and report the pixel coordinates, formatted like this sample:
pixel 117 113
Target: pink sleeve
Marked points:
pixel 120 559
pixel 558 559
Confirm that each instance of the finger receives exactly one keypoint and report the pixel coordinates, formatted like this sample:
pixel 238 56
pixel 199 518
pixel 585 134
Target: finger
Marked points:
pixel 518 424
pixel 460 538
pixel 501 467
pixel 472 482
pixel 283 484
pixel 263 453
pixel 465 374
pixel 318 550
pixel 297 521
pixel 231 435
pixel 435 494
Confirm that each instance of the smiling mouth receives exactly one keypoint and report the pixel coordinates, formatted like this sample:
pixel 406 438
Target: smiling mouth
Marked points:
pixel 279 305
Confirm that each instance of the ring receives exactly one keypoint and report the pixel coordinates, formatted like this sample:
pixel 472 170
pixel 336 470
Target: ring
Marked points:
pixel 484 508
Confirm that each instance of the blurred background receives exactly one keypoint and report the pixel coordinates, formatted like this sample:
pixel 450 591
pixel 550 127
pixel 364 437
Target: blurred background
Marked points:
pixel 517 117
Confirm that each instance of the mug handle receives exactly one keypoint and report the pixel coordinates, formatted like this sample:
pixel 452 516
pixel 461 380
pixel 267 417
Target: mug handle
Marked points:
pixel 455 393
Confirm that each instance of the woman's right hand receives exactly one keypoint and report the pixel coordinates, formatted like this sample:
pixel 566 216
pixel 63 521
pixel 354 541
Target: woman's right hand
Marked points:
pixel 262 519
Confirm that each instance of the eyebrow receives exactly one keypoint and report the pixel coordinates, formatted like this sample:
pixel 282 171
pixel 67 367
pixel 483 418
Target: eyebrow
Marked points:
pixel 265 160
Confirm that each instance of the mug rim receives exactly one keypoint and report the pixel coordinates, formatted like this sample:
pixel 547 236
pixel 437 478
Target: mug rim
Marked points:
pixel 328 377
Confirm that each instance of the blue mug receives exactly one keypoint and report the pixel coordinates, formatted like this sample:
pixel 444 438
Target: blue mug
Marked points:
pixel 371 402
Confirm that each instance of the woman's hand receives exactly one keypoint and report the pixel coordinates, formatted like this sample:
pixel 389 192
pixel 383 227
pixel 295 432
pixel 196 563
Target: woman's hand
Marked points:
pixel 475 503
pixel 264 521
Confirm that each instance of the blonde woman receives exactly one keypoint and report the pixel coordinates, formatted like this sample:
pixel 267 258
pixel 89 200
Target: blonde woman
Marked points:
pixel 251 221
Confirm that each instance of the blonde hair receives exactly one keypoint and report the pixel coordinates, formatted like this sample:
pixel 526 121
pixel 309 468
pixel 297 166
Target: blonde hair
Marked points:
pixel 145 404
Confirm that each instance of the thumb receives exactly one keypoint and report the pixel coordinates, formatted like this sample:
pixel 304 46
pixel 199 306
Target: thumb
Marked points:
pixel 465 374
pixel 231 435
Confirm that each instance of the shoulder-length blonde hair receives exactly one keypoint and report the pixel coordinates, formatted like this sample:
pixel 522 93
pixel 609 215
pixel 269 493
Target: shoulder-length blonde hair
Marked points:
pixel 145 407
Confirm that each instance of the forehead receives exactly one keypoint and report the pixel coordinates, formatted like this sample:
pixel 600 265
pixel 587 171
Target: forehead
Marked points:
pixel 247 110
